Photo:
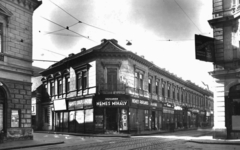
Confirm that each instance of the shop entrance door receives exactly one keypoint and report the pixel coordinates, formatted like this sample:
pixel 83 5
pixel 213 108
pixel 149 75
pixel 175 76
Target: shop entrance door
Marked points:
pixel 61 122
pixel 233 109
pixel 153 120
pixel 111 119
pixel 2 101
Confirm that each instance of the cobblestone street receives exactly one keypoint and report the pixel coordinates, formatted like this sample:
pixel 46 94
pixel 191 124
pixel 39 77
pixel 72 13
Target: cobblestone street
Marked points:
pixel 169 141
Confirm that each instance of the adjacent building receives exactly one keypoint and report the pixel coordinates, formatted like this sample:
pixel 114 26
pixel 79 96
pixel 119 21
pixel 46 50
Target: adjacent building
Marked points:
pixel 225 24
pixel 108 89
pixel 16 68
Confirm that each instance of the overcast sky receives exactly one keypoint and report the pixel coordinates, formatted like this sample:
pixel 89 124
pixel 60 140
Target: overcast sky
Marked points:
pixel 148 24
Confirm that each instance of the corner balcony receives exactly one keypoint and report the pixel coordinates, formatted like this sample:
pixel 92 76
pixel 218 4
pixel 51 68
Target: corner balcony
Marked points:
pixel 122 89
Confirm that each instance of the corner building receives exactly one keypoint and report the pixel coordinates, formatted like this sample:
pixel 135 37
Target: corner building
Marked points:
pixel 16 68
pixel 108 89
pixel 226 31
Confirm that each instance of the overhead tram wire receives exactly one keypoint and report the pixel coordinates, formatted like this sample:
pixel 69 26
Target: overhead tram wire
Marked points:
pixel 79 20
pixel 60 29
pixel 187 16
pixel 69 29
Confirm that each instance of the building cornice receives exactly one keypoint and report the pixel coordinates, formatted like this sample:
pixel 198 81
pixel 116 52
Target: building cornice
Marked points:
pixel 29 5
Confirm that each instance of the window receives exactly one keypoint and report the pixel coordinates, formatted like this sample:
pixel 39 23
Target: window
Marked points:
pixel 67 84
pixel 146 117
pixel 15 118
pixel 168 91
pixel 1 38
pixel 82 80
pixel 52 88
pixel 138 80
pixel 157 87
pixel 178 95
pixel 46 115
pixel 182 96
pixel 45 87
pixel 173 92
pixel 60 86
pixel 150 86
pixel 163 89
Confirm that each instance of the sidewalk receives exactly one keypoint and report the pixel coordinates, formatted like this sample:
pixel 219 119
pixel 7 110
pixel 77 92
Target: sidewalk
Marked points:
pixel 210 140
pixel 44 138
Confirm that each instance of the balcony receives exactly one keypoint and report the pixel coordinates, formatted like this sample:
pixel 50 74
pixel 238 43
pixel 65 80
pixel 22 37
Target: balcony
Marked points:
pixel 122 89
pixel 112 88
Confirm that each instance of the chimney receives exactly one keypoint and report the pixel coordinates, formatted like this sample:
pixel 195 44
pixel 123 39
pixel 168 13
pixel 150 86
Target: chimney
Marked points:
pixel 83 49
pixel 114 41
pixel 103 40
pixel 70 55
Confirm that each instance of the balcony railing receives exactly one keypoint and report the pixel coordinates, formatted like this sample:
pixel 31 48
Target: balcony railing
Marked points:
pixel 112 89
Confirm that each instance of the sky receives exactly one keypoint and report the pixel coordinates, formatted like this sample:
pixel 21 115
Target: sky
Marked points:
pixel 160 30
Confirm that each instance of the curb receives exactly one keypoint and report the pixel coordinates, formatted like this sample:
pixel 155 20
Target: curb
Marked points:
pixel 28 146
pixel 86 135
pixel 209 142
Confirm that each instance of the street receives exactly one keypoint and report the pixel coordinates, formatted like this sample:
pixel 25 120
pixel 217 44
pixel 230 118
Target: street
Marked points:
pixel 174 141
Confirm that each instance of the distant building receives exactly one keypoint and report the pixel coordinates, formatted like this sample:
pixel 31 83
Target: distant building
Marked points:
pixel 16 68
pixel 109 89
pixel 36 84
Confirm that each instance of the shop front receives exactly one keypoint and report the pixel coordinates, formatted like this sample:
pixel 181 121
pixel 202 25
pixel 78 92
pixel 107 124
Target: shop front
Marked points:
pixel 111 114
pixel 73 115
pixel 194 117
pixel 145 115
pixel 178 116
pixel 168 115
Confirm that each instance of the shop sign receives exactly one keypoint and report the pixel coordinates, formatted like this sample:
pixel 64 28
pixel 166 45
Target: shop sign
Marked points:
pixel 99 121
pixel 79 104
pixel 194 110
pixel 113 92
pixel 154 104
pixel 111 99
pixel 135 101
pixel 143 102
pixel 59 104
pixel 168 105
pixel 111 103
pixel 204 48
pixel 168 111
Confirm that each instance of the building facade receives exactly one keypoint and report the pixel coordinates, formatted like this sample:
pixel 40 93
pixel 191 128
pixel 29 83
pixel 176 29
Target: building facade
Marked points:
pixel 16 68
pixel 108 89
pixel 225 24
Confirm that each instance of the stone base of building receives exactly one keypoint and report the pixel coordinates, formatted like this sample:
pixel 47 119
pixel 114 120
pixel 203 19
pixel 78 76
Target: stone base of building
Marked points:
pixel 16 134
pixel 220 133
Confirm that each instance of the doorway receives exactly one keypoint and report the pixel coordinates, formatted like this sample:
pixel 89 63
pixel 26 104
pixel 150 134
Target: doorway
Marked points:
pixel 111 119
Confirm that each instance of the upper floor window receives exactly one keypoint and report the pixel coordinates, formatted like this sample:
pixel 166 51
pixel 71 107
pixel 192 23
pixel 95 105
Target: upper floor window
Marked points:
pixel 157 87
pixel 163 89
pixel 138 80
pixel 177 94
pixel 60 86
pixel 52 88
pixel 82 80
pixel 182 96
pixel 150 86
pixel 67 84
pixel 168 91
pixel 173 92
pixel 1 38
pixel 112 78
